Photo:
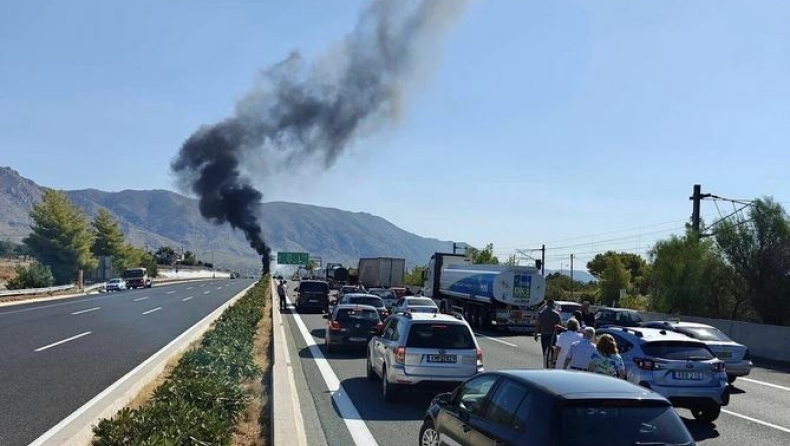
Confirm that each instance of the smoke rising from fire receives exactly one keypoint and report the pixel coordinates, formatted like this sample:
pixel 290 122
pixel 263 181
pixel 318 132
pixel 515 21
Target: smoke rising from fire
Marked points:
pixel 312 111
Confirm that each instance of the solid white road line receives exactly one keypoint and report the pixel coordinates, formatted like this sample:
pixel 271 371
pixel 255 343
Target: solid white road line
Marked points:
pixel 140 298
pixel 354 422
pixel 186 299
pixel 206 292
pixel 24 310
pixel 189 288
pixel 55 344
pixel 496 340
pixel 86 311
pixel 755 420
pixel 763 383
pixel 171 292
pixel 152 310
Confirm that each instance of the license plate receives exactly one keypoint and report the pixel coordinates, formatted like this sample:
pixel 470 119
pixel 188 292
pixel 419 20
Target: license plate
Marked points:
pixel 724 355
pixel 688 375
pixel 442 358
pixel 357 339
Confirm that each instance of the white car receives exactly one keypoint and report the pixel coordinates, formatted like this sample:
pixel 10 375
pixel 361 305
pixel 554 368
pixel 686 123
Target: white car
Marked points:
pixel 115 285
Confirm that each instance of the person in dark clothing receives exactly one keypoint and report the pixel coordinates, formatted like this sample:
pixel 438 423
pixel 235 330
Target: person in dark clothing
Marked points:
pixel 408 292
pixel 578 316
pixel 548 318
pixel 588 318
pixel 281 292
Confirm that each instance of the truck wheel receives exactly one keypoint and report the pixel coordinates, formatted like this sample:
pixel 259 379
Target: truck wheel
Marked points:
pixel 486 317
pixel 707 412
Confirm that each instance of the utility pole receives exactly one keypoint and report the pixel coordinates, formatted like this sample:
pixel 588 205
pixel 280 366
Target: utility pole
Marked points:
pixel 571 276
pixel 696 198
pixel 543 260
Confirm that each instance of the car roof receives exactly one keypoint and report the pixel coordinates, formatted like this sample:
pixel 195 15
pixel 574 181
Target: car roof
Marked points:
pixel 360 295
pixel 432 317
pixel 648 334
pixel 682 324
pixel 580 385
pixel 618 309
pixel 356 306
pixel 567 302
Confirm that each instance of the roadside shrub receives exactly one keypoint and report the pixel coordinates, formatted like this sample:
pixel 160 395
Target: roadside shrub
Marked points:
pixel 37 275
pixel 202 399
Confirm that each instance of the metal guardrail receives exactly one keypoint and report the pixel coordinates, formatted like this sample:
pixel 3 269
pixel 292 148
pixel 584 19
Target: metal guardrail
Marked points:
pixel 52 289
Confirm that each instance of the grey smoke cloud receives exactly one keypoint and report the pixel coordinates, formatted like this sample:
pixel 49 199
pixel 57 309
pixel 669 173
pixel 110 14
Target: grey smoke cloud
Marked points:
pixel 300 110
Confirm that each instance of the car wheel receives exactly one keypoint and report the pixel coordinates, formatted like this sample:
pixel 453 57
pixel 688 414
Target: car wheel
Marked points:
pixel 371 374
pixel 428 434
pixel 706 412
pixel 731 379
pixel 387 389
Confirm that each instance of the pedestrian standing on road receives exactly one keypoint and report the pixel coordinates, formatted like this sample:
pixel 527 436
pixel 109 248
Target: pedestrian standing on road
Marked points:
pixel 581 352
pixel 588 319
pixel 281 292
pixel 547 319
pixel 565 340
pixel 606 360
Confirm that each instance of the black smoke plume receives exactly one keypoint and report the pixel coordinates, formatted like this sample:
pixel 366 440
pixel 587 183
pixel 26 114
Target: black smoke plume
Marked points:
pixel 298 111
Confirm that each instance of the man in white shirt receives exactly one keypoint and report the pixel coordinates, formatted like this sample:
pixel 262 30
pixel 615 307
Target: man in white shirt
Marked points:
pixel 565 340
pixel 581 351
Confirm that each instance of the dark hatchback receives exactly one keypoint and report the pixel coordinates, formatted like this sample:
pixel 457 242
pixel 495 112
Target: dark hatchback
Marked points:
pixel 367 299
pixel 551 407
pixel 312 294
pixel 351 325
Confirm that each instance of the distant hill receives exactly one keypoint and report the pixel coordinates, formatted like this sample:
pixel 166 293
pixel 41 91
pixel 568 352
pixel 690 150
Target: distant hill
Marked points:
pixel 578 275
pixel 156 218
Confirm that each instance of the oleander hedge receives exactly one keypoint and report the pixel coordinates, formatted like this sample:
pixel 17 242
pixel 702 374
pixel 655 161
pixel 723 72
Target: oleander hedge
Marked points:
pixel 202 399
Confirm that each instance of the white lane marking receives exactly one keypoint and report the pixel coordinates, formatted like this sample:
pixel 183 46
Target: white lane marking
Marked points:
pixel 189 288
pixel 755 420
pixel 496 340
pixel 140 298
pixel 171 292
pixel 152 310
pixel 354 422
pixel 186 299
pixel 55 344
pixel 763 383
pixel 219 287
pixel 23 310
pixel 85 311
pixel 46 436
pixel 206 292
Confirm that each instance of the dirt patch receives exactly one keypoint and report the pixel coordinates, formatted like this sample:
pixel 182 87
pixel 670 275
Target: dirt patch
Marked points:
pixel 254 428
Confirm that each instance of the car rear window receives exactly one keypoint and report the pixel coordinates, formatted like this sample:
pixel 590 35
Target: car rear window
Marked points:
pixel 313 287
pixel 704 334
pixel 677 350
pixel 439 335
pixel 352 314
pixel 595 425
pixel 421 302
pixel 372 301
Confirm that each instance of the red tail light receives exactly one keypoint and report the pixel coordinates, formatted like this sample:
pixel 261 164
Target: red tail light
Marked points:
pixel 334 325
pixel 479 357
pixel 718 367
pixel 647 364
pixel 400 355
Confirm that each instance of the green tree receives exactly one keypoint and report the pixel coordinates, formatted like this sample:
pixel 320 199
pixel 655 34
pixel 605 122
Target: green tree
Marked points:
pixel 311 265
pixel 61 237
pixel 415 276
pixel 34 276
pixel 634 263
pixel 189 259
pixel 484 256
pixel 165 255
pixel 613 278
pixel 108 239
pixel 760 252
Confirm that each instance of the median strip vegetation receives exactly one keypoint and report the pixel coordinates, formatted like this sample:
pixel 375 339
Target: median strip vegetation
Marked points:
pixel 206 399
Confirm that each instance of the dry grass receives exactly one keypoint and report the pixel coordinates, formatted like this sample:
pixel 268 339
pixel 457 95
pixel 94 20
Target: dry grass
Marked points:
pixel 254 428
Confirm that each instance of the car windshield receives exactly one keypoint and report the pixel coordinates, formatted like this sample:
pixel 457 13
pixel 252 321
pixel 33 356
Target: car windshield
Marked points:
pixel 134 273
pixel 366 300
pixel 420 302
pixel 438 335
pixel 354 314
pixel 384 294
pixel 596 425
pixel 678 350
pixel 704 333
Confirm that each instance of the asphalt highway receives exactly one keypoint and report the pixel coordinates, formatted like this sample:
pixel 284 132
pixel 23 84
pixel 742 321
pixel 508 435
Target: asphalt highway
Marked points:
pixel 758 413
pixel 57 355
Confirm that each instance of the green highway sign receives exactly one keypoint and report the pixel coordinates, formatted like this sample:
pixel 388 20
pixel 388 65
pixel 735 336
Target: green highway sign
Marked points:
pixel 293 258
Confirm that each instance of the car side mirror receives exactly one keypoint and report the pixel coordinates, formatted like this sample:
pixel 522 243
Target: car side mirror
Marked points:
pixel 443 399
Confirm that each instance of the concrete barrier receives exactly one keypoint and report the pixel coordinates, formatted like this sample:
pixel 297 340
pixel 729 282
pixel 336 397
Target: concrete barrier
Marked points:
pixel 764 341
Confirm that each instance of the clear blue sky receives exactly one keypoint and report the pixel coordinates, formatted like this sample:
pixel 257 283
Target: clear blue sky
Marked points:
pixel 552 122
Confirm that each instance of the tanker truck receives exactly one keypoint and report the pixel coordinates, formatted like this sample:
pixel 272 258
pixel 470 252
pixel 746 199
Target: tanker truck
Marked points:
pixel 487 296
pixel 336 275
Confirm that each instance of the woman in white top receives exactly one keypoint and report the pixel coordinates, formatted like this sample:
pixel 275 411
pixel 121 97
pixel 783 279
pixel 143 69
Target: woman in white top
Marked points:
pixel 565 340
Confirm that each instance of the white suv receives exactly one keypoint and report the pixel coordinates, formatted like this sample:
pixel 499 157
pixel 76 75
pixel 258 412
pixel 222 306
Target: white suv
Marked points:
pixel 423 352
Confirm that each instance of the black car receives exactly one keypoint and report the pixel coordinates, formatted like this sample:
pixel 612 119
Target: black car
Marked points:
pixel 558 407
pixel 312 294
pixel 351 325
pixel 366 299
pixel 623 317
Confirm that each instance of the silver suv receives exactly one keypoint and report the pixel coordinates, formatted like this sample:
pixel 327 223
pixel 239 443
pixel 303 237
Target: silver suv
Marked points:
pixel 424 352
pixel 681 369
